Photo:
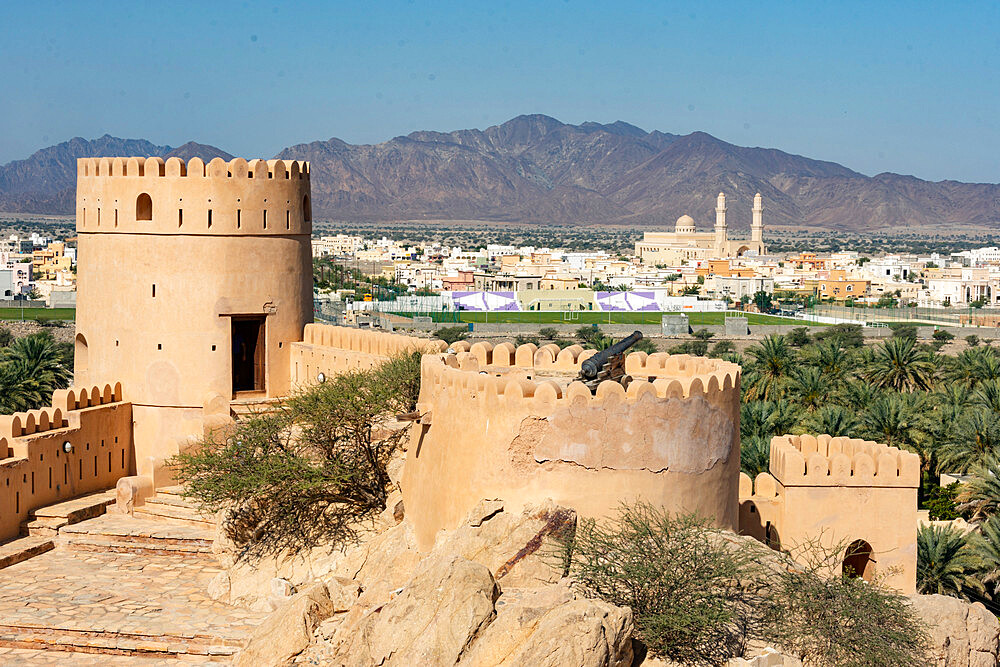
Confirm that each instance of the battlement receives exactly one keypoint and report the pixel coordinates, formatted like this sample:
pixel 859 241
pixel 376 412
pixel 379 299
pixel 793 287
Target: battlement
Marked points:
pixel 153 167
pixel 763 487
pixel 660 375
pixel 806 460
pixel 150 195
pixel 332 349
pixel 81 444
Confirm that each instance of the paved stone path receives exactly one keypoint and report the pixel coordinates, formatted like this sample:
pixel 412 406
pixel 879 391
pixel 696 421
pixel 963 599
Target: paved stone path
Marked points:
pixel 132 596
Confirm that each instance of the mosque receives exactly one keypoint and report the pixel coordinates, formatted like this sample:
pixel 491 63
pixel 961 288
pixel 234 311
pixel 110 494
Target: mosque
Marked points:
pixel 686 243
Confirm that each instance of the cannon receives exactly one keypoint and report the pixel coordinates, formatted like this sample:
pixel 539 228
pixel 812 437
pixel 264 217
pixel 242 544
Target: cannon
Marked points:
pixel 608 364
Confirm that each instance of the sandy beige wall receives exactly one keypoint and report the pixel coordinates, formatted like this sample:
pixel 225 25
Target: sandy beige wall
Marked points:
pixel 331 350
pixel 674 444
pixel 156 297
pixel 34 469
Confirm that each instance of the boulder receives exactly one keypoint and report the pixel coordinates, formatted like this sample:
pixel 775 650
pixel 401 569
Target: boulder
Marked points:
pixel 961 634
pixel 288 630
pixel 519 549
pixel 548 626
pixel 432 621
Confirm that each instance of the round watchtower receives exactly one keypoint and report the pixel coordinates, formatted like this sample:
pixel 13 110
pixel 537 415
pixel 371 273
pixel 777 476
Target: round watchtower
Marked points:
pixel 193 281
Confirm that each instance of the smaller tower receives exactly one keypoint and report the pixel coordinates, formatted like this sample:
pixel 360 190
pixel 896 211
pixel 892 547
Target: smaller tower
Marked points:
pixel 720 224
pixel 757 225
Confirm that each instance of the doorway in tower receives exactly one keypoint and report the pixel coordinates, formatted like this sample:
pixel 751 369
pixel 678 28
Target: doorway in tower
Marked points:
pixel 248 353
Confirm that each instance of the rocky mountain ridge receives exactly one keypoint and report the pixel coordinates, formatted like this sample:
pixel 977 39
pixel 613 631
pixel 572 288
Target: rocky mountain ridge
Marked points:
pixel 536 169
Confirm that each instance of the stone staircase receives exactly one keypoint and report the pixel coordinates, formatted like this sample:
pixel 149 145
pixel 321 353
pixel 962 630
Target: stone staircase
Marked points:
pixel 89 586
pixel 169 505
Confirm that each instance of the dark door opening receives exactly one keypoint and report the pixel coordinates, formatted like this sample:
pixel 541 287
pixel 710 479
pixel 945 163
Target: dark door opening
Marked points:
pixel 248 354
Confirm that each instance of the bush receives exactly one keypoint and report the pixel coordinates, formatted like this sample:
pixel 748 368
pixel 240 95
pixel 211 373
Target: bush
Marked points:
pixel 943 335
pixel 833 619
pixel 703 334
pixel 452 334
pixel 548 333
pixel 722 348
pixel 310 470
pixel 847 335
pixel 693 598
pixel 700 595
pixel 972 340
pixel 6 337
pixel 941 502
pixel 645 345
pixel 522 339
pixel 798 336
pixel 904 331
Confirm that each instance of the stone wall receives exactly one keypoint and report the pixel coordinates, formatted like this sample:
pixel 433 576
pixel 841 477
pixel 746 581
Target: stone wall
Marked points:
pixel 36 471
pixel 496 424
pixel 838 491
pixel 331 350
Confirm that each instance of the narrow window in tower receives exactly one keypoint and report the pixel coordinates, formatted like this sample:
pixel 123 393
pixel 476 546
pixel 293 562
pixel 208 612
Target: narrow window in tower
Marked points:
pixel 154 290
pixel 116 217
pixel 98 217
pixel 180 217
pixel 238 221
pixel 288 223
pixel 209 218
pixel 265 218
pixel 144 207
pixel 84 223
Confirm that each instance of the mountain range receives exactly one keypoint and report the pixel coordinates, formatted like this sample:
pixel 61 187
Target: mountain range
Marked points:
pixel 536 169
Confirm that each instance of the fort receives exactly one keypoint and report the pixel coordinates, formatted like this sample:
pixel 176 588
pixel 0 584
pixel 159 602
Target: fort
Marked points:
pixel 195 308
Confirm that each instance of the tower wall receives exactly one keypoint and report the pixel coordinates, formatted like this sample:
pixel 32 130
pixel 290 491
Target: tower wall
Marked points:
pixel 169 253
pixel 493 426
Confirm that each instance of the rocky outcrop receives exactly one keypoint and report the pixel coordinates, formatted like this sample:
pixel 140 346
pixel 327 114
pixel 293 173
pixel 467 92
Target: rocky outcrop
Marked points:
pixel 961 634
pixel 288 630
pixel 551 627
pixel 432 621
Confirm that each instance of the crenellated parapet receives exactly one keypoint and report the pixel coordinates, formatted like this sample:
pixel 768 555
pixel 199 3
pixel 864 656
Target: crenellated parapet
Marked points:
pixel 332 349
pixel 150 195
pixel 499 421
pixel 807 460
pixel 506 371
pixel 80 444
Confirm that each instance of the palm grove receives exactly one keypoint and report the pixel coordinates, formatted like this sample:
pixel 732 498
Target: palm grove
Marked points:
pixel 31 368
pixel 945 408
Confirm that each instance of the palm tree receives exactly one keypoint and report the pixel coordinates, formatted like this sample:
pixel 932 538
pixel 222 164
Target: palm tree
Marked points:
pixel 764 419
pixel 985 546
pixel 976 434
pixel 900 420
pixel 755 455
pixel 772 362
pixel 16 393
pixel 833 420
pixel 981 494
pixel 833 360
pixel 38 362
pixel 945 564
pixel 987 394
pixel 859 394
pixel 899 364
pixel 974 365
pixel 808 386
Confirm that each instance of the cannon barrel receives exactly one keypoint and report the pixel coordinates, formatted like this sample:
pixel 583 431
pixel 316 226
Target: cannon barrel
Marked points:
pixel 592 366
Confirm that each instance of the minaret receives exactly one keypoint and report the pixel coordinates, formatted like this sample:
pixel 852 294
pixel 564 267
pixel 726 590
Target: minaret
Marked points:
pixel 757 225
pixel 720 225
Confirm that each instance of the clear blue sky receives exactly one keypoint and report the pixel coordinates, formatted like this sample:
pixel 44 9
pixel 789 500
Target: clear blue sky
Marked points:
pixel 909 87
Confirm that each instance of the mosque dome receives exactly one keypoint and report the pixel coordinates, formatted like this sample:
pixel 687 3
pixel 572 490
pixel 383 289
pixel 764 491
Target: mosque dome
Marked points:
pixel 685 223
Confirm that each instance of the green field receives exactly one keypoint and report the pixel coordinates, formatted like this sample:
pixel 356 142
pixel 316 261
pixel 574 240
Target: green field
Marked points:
pixel 594 317
pixel 38 313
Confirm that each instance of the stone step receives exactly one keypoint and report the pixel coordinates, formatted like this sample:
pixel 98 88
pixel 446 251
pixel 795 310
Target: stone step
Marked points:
pixel 22 549
pixel 209 648
pixel 143 535
pixel 47 521
pixel 181 514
